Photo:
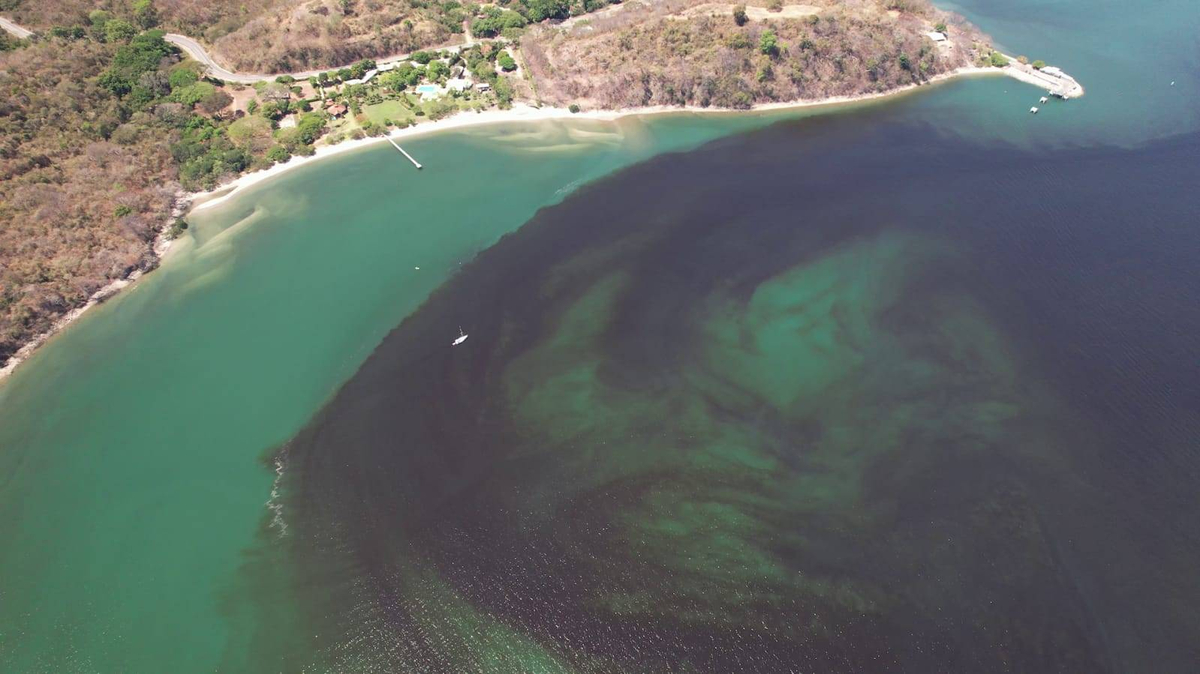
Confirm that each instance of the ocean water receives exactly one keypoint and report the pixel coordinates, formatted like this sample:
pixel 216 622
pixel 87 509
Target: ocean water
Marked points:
pixel 910 387
pixel 909 431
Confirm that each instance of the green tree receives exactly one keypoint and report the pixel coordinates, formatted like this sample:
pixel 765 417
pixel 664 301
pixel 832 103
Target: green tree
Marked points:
pixel 359 69
pixel 278 154
pixel 409 74
pixel 436 71
pixel 484 70
pixel 506 62
pixel 739 15
pixel 183 77
pixel 1039 64
pixel 192 95
pixel 145 13
pixel 310 127
pixel 98 18
pixel 141 55
pixel 540 10
pixel 119 30
pixel 998 60
pixel 941 27
pixel 768 43
pixel 422 57
pixel 504 92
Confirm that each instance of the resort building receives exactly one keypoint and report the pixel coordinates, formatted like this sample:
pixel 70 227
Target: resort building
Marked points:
pixel 458 84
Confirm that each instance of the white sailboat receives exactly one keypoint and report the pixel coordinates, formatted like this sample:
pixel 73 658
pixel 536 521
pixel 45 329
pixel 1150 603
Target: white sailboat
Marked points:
pixel 462 337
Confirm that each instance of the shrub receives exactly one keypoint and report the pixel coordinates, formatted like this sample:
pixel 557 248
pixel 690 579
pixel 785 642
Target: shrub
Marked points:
pixel 574 108
pixel 436 71
pixel 739 41
pixel 775 6
pixel 739 15
pixel 279 154
pixel 215 101
pixel 1039 64
pixel 119 30
pixel 176 229
pixel 768 43
pixel 940 27
pixel 998 60
pixel 183 77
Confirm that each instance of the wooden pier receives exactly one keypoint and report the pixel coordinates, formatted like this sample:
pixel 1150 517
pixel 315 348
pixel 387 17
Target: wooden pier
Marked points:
pixel 409 156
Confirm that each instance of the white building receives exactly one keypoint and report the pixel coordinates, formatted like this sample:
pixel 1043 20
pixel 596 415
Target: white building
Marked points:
pixel 936 36
pixel 458 84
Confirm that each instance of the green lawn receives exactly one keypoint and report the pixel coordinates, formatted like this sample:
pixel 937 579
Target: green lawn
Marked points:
pixel 393 110
pixel 396 111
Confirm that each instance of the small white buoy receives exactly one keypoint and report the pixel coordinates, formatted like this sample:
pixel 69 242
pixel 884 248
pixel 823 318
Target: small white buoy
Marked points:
pixel 1034 110
pixel 1044 99
pixel 1172 84
pixel 417 268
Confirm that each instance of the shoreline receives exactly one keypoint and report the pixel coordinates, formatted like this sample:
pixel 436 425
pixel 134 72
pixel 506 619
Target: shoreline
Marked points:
pixel 523 112
pixel 520 112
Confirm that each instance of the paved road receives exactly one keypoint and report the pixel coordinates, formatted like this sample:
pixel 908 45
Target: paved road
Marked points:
pixel 199 53
pixel 12 28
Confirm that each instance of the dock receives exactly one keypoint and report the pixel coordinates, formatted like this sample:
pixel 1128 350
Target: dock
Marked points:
pixel 1054 80
pixel 409 156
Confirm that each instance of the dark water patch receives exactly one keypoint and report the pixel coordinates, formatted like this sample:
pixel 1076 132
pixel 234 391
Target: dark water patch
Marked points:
pixel 821 397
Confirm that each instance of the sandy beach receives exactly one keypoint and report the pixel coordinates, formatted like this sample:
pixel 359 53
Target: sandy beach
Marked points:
pixel 520 112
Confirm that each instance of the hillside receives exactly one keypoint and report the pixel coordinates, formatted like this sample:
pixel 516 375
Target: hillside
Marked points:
pixel 272 35
pixel 692 52
pixel 279 36
pixel 84 185
pixel 104 124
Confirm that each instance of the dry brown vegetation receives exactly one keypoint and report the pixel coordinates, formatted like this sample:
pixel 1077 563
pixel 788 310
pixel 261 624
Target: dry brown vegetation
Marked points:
pixel 276 35
pixel 646 54
pixel 82 193
pixel 288 36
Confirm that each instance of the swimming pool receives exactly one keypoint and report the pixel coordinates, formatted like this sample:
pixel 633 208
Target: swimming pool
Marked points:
pixel 427 89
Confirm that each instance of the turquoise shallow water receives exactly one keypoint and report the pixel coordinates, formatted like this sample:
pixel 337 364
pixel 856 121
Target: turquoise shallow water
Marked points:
pixel 134 471
pixel 134 442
